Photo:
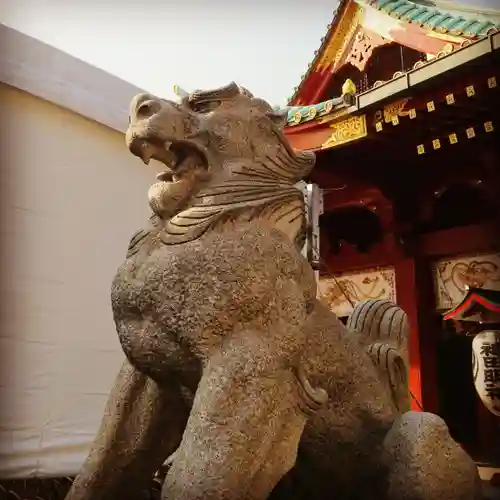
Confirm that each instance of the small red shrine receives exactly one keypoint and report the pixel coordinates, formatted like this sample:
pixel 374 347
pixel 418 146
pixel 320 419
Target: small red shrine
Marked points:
pixel 401 105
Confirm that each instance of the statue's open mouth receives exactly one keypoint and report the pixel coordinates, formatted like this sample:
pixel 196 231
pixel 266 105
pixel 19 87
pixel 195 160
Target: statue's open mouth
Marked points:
pixel 179 157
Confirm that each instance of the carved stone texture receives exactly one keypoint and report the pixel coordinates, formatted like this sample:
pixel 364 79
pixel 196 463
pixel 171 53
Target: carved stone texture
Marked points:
pixel 232 361
pixel 419 442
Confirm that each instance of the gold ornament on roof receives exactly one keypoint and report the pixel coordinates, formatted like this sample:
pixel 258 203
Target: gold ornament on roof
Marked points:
pixel 348 87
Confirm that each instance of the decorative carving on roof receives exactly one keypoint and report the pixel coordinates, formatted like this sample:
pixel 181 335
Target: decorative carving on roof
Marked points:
pixel 340 37
pixel 438 27
pixel 348 130
pixel 362 48
pixel 394 109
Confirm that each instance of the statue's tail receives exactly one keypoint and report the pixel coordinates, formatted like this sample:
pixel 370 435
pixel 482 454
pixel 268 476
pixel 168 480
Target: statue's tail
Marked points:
pixel 385 329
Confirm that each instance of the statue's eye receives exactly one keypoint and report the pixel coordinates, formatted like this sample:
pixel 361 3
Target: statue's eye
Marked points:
pixel 204 106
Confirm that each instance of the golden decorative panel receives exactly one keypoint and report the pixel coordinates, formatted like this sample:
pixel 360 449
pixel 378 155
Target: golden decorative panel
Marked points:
pixel 342 293
pixel 492 82
pixel 431 106
pixel 412 113
pixel 453 276
pixel 436 143
pixel 450 99
pixel 469 90
pixel 488 126
pixel 395 109
pixel 453 138
pixel 420 149
pixel 346 130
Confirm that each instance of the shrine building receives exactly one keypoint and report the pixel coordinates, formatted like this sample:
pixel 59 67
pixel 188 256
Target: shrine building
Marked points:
pixel 401 105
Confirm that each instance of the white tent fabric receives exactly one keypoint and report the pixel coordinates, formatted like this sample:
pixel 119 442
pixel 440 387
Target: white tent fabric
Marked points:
pixel 71 198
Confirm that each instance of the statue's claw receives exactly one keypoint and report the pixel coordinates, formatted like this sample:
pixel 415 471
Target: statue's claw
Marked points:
pixel 313 398
pixel 170 460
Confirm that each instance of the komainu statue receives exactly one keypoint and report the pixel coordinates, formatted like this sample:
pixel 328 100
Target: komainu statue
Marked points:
pixel 234 368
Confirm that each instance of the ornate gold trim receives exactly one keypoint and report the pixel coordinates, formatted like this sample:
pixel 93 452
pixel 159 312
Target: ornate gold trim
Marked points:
pixel 395 109
pixel 340 37
pixel 348 130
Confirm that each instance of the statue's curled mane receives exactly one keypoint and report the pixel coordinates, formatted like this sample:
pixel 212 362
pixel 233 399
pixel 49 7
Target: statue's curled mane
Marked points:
pixel 264 188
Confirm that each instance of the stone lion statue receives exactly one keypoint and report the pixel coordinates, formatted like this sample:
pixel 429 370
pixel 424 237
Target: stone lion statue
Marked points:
pixel 234 369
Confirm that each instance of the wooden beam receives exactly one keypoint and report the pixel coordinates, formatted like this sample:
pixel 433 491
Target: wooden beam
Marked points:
pixel 461 240
pixel 349 259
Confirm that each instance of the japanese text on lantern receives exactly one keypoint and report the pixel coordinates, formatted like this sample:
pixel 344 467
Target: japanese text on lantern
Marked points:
pixel 490 352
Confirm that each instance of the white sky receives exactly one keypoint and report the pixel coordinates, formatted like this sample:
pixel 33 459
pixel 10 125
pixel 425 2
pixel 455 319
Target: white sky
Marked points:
pixel 264 45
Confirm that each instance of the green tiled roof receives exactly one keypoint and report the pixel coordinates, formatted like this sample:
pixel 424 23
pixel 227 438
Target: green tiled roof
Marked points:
pixel 302 114
pixel 435 19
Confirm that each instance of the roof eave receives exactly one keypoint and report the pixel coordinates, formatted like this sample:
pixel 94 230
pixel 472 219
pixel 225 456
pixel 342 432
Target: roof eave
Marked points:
pixel 305 78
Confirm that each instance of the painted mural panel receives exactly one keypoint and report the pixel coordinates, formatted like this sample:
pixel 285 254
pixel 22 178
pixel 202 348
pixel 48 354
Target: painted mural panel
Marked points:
pixel 344 291
pixel 453 276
